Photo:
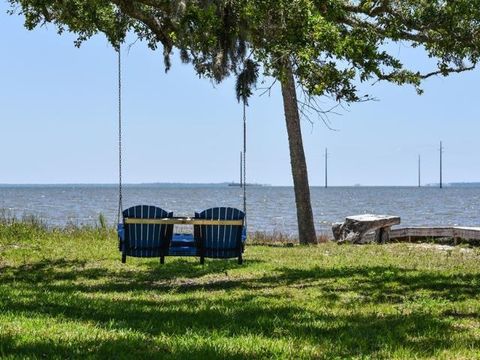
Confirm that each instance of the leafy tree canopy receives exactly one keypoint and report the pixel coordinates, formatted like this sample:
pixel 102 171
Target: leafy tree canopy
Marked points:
pixel 329 44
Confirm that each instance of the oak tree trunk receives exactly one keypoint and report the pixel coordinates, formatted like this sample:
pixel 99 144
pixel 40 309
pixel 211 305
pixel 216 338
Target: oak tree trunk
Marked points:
pixel 306 227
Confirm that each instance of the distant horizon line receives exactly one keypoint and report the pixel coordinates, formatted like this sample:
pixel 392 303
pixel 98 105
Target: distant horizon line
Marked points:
pixel 218 184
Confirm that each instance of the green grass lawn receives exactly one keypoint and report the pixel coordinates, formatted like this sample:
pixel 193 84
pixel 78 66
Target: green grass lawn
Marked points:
pixel 66 294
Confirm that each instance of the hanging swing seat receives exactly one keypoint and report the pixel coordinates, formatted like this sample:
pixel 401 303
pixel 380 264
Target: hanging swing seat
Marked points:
pixel 145 240
pixel 225 240
pixel 147 231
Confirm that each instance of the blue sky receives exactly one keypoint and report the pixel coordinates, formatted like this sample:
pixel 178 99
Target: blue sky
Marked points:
pixel 58 121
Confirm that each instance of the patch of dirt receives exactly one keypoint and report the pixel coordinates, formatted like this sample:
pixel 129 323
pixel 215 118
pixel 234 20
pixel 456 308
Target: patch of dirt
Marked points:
pixel 439 247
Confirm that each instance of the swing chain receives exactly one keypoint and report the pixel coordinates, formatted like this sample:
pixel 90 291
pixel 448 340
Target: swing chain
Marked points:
pixel 245 160
pixel 120 195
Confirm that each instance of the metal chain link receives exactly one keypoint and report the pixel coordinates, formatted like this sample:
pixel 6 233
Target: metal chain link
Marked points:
pixel 120 195
pixel 245 160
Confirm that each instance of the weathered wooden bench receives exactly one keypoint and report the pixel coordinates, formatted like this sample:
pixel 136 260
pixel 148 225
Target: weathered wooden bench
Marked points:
pixel 354 229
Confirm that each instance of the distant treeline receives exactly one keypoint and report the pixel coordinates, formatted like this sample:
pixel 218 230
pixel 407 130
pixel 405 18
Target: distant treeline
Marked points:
pixel 459 184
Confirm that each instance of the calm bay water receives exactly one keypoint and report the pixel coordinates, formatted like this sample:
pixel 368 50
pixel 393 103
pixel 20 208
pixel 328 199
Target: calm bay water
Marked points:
pixel 269 208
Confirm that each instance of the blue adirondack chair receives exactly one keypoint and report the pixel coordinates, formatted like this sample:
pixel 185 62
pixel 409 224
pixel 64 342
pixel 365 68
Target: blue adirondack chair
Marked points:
pixel 145 240
pixel 220 241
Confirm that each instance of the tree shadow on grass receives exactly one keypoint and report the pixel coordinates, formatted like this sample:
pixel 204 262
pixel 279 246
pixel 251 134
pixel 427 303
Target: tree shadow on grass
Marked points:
pixel 71 290
pixel 122 348
pixel 382 284
pixel 340 336
pixel 173 275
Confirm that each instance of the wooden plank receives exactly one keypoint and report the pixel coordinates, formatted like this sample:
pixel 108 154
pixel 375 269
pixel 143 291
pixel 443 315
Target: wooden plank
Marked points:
pixel 183 221
pixel 470 235
pixel 437 232
pixel 377 220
